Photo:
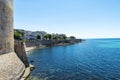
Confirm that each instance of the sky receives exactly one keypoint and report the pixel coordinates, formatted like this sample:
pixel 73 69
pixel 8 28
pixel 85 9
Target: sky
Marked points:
pixel 79 18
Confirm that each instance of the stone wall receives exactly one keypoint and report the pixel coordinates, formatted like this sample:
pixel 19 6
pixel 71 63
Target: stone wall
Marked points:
pixel 37 43
pixel 11 67
pixel 6 26
pixel 21 53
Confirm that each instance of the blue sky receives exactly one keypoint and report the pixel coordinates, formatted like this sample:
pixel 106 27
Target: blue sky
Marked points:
pixel 81 18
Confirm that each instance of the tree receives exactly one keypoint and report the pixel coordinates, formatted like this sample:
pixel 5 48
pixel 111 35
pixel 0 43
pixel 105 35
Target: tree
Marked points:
pixel 55 38
pixel 20 32
pixel 59 37
pixel 65 37
pixel 17 36
pixel 45 37
pixel 72 37
pixel 48 36
pixel 38 36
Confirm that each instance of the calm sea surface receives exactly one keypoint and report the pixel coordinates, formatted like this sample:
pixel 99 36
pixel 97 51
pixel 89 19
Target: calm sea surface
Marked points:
pixel 94 59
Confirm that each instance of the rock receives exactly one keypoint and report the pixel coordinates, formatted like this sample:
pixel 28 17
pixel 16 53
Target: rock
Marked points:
pixel 32 67
pixel 32 61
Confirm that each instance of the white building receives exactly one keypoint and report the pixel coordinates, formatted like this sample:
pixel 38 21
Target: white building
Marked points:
pixel 29 35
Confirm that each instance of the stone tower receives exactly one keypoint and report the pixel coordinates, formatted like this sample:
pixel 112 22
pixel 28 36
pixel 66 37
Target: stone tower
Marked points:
pixel 6 26
pixel 11 67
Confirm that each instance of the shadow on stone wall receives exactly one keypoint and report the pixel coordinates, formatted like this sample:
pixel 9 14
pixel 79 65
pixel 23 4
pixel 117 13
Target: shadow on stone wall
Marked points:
pixel 20 51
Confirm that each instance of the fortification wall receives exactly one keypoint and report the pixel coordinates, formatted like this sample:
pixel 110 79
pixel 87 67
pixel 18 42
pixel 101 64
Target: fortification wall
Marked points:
pixel 11 67
pixel 20 51
pixel 6 26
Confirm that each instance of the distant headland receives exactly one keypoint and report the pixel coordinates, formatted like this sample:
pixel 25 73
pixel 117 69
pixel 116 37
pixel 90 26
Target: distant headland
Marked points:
pixel 42 38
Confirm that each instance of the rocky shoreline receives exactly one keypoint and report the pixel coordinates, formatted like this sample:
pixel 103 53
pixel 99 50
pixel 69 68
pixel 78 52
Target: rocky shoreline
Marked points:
pixel 32 45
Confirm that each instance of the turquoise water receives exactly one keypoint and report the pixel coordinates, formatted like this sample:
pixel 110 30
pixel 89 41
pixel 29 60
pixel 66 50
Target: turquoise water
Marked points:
pixel 94 59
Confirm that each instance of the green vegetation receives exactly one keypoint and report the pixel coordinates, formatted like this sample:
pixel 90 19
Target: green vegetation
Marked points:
pixel 55 38
pixel 48 37
pixel 17 35
pixel 72 37
pixel 23 35
pixel 60 37
pixel 45 37
pixel 65 37
pixel 38 36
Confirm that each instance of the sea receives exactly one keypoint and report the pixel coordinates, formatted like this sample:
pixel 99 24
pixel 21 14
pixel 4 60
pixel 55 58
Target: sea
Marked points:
pixel 92 59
